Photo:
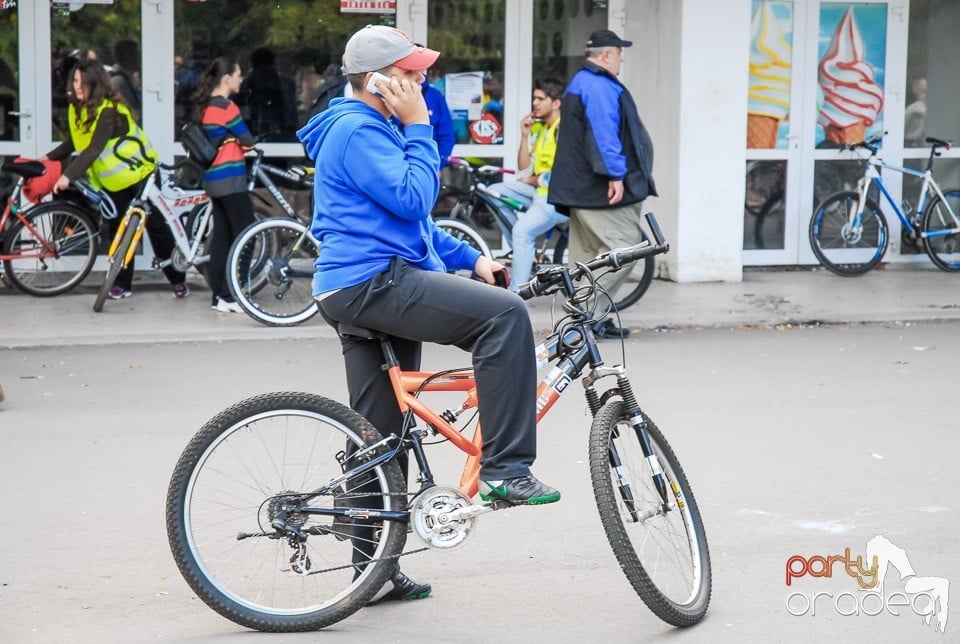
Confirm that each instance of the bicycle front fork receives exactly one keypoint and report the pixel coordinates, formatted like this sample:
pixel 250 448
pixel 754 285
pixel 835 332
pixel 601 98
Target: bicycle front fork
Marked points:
pixel 632 413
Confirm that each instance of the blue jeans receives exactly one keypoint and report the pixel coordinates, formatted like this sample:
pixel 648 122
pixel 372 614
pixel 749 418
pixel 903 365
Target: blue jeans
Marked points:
pixel 539 218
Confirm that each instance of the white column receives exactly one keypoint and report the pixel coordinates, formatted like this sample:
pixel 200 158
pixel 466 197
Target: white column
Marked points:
pixel 156 47
pixel 687 71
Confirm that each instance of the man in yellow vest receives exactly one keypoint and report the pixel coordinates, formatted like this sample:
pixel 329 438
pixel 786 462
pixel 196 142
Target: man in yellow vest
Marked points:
pixel 538 146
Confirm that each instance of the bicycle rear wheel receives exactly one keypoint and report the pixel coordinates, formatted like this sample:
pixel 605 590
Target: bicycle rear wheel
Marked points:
pixel 633 288
pixel 663 554
pixel 270 271
pixel 841 246
pixel 251 467
pixel 116 261
pixel 463 232
pixel 53 252
pixel 942 242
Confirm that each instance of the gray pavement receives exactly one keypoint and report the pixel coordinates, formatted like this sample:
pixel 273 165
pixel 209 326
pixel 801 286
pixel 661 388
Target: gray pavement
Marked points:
pixel 764 297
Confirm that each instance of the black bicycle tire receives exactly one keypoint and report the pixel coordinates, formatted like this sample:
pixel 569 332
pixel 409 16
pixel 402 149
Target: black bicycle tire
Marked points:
pixel 561 246
pixel 116 261
pixel 604 424
pixel 927 244
pixel 475 238
pixel 847 269
pixel 242 297
pixel 633 296
pixel 77 277
pixel 195 214
pixel 760 217
pixel 177 531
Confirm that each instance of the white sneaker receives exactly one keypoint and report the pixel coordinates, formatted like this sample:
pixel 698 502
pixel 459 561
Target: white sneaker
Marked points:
pixel 226 307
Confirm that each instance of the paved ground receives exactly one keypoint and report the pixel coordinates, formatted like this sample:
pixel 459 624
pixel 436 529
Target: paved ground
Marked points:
pixel 763 298
pixel 797 442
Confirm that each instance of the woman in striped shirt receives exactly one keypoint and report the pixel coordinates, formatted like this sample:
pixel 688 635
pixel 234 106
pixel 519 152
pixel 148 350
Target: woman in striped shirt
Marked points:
pixel 225 182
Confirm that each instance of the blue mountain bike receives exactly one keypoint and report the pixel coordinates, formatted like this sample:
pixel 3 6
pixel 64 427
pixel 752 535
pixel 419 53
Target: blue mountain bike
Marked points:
pixel 849 235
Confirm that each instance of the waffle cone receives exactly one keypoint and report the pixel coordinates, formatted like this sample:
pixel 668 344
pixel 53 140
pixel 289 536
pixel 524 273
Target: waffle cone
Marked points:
pixel 761 131
pixel 855 133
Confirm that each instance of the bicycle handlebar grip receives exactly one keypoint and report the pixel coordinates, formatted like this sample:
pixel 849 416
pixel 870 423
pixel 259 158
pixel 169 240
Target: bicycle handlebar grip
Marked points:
pixel 655 229
pixel 529 290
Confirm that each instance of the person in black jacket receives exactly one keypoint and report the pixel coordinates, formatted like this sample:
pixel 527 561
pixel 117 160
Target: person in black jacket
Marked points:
pixel 604 162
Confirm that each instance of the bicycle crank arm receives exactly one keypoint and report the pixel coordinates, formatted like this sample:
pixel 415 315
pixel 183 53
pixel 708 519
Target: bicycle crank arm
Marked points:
pixel 470 512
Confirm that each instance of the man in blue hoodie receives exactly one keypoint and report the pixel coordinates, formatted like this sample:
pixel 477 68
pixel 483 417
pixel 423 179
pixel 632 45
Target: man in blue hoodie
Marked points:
pixel 384 266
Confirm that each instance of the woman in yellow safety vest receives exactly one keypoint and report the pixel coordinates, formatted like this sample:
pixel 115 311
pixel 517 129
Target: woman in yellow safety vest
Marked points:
pixel 115 155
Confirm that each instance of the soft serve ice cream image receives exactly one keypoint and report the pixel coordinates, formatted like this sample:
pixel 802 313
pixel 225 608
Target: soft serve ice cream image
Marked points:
pixel 769 85
pixel 852 99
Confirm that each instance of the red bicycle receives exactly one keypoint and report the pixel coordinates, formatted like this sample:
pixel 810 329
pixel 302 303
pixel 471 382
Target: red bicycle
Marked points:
pixel 49 248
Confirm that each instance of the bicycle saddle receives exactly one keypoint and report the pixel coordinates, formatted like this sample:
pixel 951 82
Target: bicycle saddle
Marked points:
pixel 26 169
pixel 352 331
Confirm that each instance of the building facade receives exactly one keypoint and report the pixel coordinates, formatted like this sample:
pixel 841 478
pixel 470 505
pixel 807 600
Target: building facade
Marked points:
pixel 745 99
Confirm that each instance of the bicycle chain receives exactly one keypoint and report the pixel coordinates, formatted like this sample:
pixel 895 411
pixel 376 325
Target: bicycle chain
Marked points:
pixel 397 556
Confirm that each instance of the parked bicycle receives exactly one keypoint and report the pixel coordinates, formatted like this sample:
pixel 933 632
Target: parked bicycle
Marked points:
pixel 271 262
pixel 849 234
pixel 50 248
pixel 269 501
pixel 480 206
pixel 188 214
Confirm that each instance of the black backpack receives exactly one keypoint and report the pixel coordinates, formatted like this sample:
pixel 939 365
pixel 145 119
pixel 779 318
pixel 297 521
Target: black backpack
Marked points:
pixel 198 147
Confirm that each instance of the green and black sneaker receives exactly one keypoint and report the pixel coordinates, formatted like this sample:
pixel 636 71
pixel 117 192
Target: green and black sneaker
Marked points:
pixel 523 490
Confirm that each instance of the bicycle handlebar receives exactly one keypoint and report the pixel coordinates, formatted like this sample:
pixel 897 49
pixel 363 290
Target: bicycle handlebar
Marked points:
pixel 615 259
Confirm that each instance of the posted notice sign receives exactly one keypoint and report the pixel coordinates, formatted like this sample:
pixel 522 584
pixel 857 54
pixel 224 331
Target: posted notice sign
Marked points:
pixel 368 6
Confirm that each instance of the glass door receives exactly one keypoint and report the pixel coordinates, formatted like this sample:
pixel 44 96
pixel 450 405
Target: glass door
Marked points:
pixel 851 97
pixel 18 135
pixel 774 119
pixel 820 76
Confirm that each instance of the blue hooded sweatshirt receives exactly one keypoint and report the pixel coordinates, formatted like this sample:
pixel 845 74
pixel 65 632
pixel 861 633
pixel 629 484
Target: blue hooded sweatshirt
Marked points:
pixel 373 192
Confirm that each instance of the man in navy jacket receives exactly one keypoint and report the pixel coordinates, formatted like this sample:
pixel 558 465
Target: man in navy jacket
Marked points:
pixel 603 169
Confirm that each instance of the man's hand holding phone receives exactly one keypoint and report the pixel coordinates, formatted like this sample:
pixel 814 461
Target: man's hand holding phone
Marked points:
pixel 402 98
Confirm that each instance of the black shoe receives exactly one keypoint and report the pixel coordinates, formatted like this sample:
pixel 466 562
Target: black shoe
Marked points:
pixel 404 589
pixel 607 330
pixel 523 490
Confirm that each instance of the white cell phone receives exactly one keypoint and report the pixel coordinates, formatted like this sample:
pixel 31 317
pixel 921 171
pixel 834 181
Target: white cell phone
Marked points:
pixel 372 85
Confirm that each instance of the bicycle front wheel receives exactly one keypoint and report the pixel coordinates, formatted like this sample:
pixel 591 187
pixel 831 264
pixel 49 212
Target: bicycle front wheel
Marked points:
pixel 663 553
pixel 257 466
pixel 117 261
pixel 270 271
pixel 844 245
pixel 942 231
pixel 52 252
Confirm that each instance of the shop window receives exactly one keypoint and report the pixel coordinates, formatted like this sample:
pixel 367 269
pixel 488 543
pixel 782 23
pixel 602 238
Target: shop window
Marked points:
pixel 107 33
pixel 9 72
pixel 763 208
pixel 470 34
pixel 560 32
pixel 284 56
pixel 851 73
pixel 933 93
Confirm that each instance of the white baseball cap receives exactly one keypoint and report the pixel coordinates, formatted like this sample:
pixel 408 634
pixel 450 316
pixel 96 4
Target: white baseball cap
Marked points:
pixel 376 46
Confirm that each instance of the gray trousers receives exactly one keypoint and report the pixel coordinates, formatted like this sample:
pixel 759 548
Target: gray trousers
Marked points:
pixel 414 306
pixel 596 231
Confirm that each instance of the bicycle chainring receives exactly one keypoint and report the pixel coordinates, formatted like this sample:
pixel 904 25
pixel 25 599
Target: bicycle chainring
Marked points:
pixel 430 520
pixel 179 261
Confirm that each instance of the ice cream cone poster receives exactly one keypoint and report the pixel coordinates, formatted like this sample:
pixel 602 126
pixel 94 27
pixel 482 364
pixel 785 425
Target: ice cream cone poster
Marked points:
pixel 771 46
pixel 853 47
